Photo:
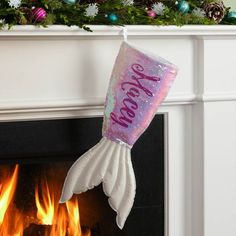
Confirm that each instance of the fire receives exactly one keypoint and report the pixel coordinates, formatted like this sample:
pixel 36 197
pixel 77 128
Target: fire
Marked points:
pixel 74 227
pixel 6 193
pixel 58 220
pixel 67 221
pixel 60 225
pixel 11 222
pixel 45 211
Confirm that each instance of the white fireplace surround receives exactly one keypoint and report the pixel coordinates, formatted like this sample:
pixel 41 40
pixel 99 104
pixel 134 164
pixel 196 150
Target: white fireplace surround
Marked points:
pixel 61 72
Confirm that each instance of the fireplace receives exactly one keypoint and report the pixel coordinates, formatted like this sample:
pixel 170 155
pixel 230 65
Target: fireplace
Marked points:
pixel 35 157
pixel 199 113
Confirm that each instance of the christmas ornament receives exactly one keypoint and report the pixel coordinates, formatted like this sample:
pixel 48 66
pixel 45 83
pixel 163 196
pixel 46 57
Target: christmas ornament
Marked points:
pixel 112 17
pixel 39 14
pixel 70 2
pixel 183 6
pixel 231 16
pixel 151 13
pixel 215 10
pixel 158 8
pixel 138 85
pixel 91 10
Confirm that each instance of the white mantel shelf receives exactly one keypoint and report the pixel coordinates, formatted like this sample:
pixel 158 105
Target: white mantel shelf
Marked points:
pixel 63 72
pixel 133 30
pixel 186 46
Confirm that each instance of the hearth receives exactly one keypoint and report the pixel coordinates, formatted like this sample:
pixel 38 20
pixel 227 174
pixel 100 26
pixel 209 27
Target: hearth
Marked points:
pixel 34 159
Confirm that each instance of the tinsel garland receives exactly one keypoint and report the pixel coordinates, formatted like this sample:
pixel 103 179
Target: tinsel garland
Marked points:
pixel 112 12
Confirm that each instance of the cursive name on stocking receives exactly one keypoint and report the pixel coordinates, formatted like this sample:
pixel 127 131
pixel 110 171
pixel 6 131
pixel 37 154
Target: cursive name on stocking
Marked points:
pixel 133 88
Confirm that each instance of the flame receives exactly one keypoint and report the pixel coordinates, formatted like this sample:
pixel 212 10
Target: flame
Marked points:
pixel 74 227
pixel 6 193
pixel 59 227
pixel 11 222
pixel 45 211
pixel 17 226
pixel 67 221
pixel 64 220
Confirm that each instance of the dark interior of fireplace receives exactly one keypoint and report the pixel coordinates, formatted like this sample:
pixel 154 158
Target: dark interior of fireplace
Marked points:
pixel 43 152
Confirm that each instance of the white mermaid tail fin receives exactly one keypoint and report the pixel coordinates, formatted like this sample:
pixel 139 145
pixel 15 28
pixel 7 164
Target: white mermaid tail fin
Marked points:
pixel 110 163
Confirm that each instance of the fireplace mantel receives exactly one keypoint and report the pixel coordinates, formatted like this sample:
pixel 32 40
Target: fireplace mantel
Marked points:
pixel 39 54
pixel 63 72
pixel 133 30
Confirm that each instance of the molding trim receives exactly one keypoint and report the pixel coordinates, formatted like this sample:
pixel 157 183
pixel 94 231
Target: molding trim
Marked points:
pixel 132 30
pixel 33 110
pixel 216 97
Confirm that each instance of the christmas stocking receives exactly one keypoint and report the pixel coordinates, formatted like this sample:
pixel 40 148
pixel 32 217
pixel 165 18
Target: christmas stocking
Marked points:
pixel 138 84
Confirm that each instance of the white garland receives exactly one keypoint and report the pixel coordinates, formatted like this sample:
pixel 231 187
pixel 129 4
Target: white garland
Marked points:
pixel 14 3
pixel 128 2
pixel 91 10
pixel 198 12
pixel 158 8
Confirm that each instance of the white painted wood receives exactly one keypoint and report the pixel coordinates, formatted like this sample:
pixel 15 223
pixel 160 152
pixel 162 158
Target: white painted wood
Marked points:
pixel 60 72
pixel 197 170
pixel 133 30
pixel 220 169
pixel 178 170
pixel 63 72
pixel 214 152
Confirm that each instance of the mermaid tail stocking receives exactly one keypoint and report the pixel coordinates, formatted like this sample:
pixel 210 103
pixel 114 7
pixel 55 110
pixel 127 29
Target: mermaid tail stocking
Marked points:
pixel 108 163
pixel 138 85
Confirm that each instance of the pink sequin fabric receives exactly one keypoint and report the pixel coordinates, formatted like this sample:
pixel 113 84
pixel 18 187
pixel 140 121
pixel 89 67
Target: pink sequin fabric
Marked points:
pixel 138 85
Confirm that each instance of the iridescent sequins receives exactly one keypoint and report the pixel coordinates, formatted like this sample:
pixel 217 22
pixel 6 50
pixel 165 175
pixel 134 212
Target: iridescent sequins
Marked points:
pixel 138 85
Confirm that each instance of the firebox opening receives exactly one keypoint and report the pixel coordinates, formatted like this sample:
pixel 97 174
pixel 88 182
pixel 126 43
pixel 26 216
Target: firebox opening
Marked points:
pixel 30 195
pixel 34 159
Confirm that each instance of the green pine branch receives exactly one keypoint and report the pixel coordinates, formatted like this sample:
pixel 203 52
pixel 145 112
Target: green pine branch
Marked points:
pixel 58 12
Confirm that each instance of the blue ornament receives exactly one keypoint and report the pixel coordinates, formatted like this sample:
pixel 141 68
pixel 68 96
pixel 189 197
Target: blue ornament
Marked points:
pixel 183 6
pixel 70 1
pixel 113 17
pixel 231 16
